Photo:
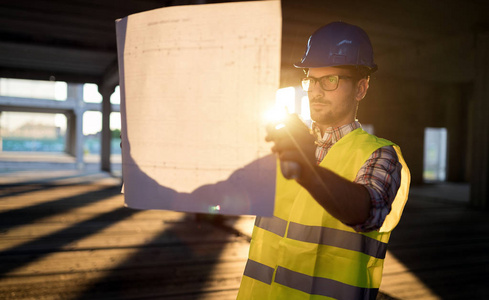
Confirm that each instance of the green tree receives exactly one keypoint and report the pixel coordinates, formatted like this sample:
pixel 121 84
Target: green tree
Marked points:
pixel 115 134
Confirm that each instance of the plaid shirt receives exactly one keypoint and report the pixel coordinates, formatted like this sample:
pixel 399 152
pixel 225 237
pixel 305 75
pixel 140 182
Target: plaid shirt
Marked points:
pixel 381 174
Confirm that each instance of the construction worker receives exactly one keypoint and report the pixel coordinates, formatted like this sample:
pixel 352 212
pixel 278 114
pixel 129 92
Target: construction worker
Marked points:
pixel 332 221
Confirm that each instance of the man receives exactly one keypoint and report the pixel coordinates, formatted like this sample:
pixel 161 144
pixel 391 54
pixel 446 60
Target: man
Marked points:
pixel 328 237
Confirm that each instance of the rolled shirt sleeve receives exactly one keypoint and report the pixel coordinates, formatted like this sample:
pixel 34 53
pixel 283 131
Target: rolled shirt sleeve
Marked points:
pixel 381 176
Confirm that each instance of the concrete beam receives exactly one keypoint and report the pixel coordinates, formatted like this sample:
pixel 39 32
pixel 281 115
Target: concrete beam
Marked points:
pixel 54 59
pixel 48 75
pixel 98 107
pixel 48 105
pixel 35 105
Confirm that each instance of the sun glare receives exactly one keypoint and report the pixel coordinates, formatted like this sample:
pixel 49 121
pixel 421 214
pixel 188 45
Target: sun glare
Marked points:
pixel 284 104
pixel 305 110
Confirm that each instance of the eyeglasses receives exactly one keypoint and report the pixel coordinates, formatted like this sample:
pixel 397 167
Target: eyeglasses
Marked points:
pixel 327 83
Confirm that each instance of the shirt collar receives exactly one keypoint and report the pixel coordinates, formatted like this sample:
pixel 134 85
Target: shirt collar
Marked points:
pixel 333 134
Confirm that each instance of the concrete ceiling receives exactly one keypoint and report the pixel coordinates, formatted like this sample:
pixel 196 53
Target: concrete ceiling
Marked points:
pixel 75 40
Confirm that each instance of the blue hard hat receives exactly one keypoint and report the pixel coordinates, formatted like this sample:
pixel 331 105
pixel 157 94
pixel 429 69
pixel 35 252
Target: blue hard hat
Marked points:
pixel 338 44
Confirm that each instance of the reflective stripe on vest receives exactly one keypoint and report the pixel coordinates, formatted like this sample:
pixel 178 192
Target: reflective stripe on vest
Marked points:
pixel 324 236
pixel 337 238
pixel 259 271
pixel 272 224
pixel 322 286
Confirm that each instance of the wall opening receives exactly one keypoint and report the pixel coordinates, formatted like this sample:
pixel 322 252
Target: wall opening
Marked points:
pixel 37 89
pixel 32 132
pixel 435 154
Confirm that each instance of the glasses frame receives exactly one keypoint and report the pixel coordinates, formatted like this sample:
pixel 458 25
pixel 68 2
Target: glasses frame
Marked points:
pixel 320 80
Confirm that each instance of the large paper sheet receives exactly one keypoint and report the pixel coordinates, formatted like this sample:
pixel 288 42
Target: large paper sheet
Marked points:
pixel 195 83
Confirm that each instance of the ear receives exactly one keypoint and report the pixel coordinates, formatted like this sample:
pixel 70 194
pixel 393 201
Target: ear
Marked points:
pixel 362 87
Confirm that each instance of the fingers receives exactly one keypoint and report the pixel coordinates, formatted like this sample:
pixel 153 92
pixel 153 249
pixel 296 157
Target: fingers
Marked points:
pixel 271 133
pixel 292 123
pixel 291 155
pixel 291 133
pixel 296 127
pixel 283 144
pixel 293 141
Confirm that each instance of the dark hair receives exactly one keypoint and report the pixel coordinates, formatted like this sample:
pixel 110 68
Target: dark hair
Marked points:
pixel 358 72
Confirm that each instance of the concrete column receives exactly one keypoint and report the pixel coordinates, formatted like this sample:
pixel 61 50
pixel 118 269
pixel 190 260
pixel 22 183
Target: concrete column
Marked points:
pixel 106 91
pixel 479 188
pixel 75 124
pixel 1 141
pixel 456 124
pixel 70 143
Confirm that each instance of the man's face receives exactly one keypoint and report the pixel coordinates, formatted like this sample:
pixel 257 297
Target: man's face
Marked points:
pixel 333 108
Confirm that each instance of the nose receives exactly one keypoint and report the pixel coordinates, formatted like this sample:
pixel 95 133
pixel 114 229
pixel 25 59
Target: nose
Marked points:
pixel 315 91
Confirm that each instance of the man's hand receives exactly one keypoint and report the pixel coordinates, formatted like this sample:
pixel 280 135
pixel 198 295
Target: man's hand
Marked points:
pixel 293 142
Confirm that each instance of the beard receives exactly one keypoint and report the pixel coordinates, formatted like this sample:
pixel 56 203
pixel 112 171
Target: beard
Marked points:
pixel 322 115
pixel 329 114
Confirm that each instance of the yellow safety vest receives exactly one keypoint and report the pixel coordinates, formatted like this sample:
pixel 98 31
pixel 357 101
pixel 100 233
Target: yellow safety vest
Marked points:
pixel 302 252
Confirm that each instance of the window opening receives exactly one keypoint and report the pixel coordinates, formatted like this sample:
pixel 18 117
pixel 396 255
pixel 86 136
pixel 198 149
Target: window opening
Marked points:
pixel 435 154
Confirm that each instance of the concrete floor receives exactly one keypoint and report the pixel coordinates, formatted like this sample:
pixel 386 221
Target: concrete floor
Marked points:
pixel 65 234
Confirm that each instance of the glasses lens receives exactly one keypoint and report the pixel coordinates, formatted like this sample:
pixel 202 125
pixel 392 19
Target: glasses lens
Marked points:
pixel 329 83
